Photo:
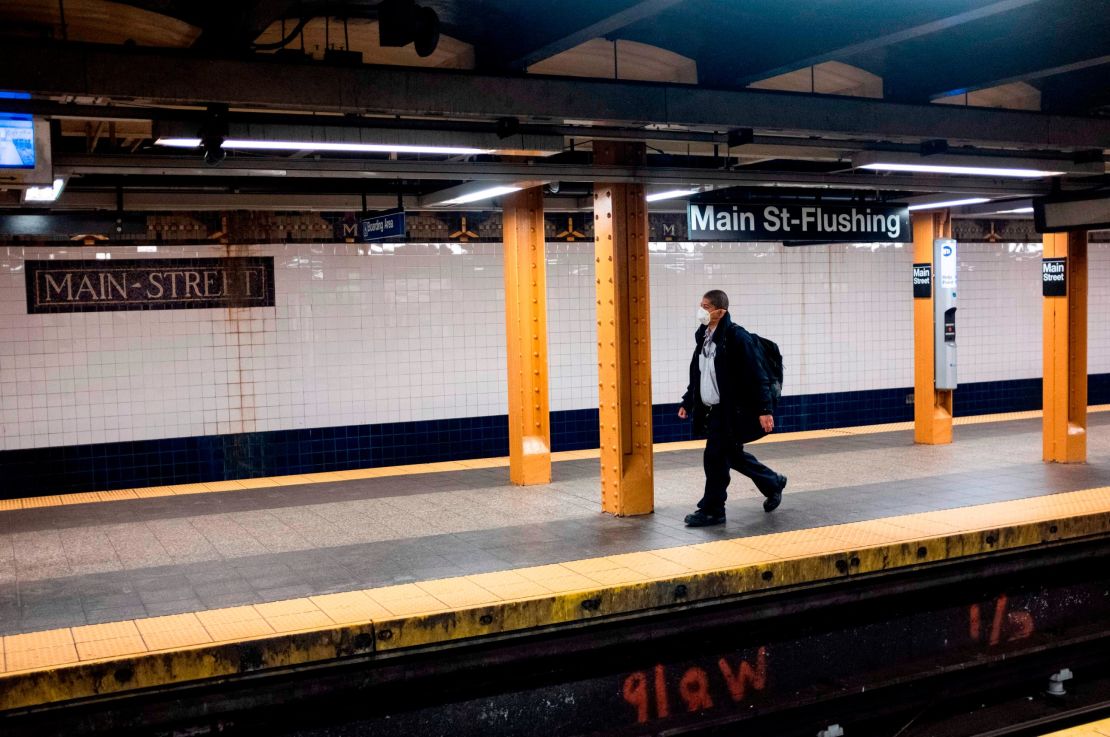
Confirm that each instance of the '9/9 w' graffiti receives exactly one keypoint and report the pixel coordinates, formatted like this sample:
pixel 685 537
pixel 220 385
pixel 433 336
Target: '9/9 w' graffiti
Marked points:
pixel 649 694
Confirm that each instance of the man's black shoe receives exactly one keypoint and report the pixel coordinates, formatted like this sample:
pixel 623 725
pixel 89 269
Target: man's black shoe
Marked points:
pixel 701 519
pixel 771 503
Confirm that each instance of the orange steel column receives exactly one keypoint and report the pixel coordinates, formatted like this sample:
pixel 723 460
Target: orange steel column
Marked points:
pixel 623 337
pixel 1065 354
pixel 526 329
pixel 932 409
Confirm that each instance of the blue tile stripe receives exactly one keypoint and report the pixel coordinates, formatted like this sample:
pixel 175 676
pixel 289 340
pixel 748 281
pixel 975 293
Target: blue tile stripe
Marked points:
pixel 103 466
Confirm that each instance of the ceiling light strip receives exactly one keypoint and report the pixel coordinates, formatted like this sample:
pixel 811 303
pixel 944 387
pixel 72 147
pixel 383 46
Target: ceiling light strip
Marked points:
pixel 670 194
pixel 248 145
pixel 985 171
pixel 481 194
pixel 949 203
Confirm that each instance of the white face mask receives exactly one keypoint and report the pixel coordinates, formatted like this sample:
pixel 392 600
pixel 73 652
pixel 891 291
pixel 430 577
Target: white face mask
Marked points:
pixel 702 316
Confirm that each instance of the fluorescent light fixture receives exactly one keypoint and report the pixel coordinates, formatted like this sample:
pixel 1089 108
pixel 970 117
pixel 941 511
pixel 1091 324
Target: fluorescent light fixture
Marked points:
pixel 971 164
pixel 949 203
pixel 365 138
pixel 670 194
pixel 178 142
pixel 481 194
pixel 1017 211
pixel 474 191
pixel 352 147
pixel 982 171
pixel 236 144
pixel 45 194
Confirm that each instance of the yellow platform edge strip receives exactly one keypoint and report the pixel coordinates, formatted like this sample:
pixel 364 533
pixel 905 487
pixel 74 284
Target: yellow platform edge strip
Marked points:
pixel 1101 728
pixel 209 487
pixel 181 648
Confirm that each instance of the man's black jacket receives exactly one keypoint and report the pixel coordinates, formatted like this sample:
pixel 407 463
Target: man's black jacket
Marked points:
pixel 741 381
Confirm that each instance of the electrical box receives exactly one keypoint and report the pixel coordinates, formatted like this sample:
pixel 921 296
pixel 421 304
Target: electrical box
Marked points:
pixel 944 313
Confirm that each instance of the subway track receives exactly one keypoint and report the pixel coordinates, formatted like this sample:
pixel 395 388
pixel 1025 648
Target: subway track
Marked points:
pixel 941 649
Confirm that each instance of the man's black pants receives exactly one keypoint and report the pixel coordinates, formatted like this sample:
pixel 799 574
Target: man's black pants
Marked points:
pixel 722 452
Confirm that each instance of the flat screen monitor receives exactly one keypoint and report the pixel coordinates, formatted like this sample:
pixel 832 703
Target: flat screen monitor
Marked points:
pixel 17 136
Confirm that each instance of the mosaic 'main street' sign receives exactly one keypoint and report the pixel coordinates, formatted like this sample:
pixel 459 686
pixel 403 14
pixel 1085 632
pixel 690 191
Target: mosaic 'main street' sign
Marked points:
pixel 149 284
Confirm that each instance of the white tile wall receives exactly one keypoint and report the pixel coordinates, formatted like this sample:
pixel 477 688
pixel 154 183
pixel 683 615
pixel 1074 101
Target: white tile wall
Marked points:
pixel 415 332
pixel 571 326
pixel 999 311
pixel 832 310
pixel 408 332
pixel 1098 308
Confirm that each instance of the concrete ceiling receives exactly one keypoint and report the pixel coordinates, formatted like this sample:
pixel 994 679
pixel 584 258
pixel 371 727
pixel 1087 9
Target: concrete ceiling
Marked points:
pixel 681 75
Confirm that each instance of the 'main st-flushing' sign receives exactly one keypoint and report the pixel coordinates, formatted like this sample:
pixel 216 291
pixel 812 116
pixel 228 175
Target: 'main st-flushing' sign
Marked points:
pixel 149 284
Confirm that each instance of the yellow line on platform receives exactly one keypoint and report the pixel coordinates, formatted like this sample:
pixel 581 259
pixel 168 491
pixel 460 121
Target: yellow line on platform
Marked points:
pixel 1101 728
pixel 78 662
pixel 209 487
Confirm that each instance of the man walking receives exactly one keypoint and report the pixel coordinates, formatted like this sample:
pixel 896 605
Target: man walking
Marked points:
pixel 729 400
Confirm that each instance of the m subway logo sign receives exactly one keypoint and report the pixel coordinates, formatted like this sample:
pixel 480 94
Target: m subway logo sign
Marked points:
pixel 802 222
pixel 149 284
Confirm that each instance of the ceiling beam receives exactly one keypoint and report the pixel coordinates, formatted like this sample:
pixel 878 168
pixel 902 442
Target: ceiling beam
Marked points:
pixel 270 202
pixel 506 171
pixel 235 26
pixel 1082 92
pixel 600 27
pixel 1018 51
pixel 166 77
pixel 169 8
pixel 226 26
pixel 1027 76
pixel 678 143
pixel 890 39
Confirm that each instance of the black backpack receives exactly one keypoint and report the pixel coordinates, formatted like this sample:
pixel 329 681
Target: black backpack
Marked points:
pixel 771 359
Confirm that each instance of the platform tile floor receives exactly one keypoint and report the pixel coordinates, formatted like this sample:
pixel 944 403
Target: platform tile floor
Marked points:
pixel 67 565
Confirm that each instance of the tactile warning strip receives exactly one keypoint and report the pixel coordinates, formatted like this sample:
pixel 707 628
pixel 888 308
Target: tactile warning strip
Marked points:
pixel 62 664
pixel 210 487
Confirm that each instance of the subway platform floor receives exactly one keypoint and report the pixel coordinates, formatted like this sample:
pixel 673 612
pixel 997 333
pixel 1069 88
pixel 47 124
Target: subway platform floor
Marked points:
pixel 112 556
